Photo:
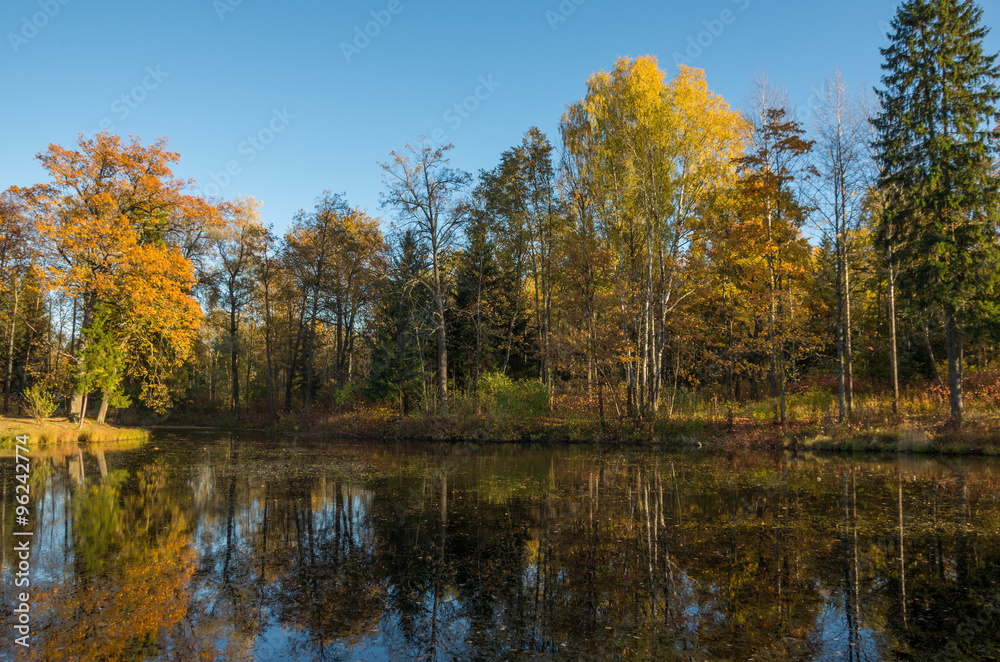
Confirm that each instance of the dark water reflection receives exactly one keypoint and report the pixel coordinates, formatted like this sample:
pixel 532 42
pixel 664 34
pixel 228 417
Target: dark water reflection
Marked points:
pixel 217 547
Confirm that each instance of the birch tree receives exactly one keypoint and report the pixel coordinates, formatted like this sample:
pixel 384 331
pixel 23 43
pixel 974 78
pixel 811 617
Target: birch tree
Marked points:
pixel 841 160
pixel 423 189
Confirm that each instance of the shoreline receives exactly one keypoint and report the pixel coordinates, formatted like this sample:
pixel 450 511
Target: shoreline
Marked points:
pixel 928 437
pixel 61 431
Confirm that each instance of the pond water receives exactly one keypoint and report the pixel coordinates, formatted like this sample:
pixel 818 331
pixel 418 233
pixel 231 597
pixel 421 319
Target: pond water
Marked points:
pixel 220 546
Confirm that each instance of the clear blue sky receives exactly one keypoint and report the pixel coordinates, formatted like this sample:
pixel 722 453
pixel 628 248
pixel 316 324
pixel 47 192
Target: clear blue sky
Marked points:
pixel 211 74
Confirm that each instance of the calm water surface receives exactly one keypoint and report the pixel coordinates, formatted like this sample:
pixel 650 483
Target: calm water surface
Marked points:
pixel 216 546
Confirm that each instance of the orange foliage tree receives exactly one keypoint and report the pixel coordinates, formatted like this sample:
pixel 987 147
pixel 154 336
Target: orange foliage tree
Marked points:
pixel 118 230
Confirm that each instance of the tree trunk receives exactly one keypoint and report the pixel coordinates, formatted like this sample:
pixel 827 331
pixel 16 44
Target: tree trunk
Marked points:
pixel 442 355
pixel 296 346
pixel 10 353
pixel 648 336
pixel 841 373
pixel 954 335
pixel 105 403
pixel 267 347
pixel 83 409
pixel 442 338
pixel 782 400
pixel 249 354
pixel 780 355
pixel 930 354
pixel 309 362
pixel 893 357
pixel 848 353
pixel 234 360
pixel 79 402
pixel 103 413
pixel 773 341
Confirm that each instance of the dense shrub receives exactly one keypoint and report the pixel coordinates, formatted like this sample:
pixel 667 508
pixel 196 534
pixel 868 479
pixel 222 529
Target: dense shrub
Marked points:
pixel 38 402
pixel 524 398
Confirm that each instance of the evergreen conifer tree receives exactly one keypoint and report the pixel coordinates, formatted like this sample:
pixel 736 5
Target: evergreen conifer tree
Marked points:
pixel 935 143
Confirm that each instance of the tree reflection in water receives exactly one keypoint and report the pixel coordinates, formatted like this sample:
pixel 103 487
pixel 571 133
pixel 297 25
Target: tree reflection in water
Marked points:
pixel 242 548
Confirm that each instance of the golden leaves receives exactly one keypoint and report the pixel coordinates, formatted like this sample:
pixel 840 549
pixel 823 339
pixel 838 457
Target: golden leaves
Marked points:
pixel 113 222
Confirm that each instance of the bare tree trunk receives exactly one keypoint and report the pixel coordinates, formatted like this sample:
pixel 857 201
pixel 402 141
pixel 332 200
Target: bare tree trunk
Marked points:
pixel 677 370
pixel 267 346
pixel 442 338
pixel 954 335
pixel 309 361
pixel 730 385
pixel 10 352
pixel 777 331
pixel 83 410
pixel 311 356
pixel 841 373
pixel 772 339
pixel 423 369
pixel 782 402
pixel 893 358
pixel 103 412
pixel 105 402
pixel 72 405
pixel 79 402
pixel 234 360
pixel 510 341
pixel 848 353
pixel 547 302
pixel 930 354
pixel 442 351
pixel 296 347
pixel 249 354
pixel 648 325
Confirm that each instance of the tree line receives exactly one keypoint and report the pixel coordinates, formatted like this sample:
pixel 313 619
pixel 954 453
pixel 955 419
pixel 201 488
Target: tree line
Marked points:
pixel 665 244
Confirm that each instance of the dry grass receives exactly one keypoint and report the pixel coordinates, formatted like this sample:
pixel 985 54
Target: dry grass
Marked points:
pixel 53 431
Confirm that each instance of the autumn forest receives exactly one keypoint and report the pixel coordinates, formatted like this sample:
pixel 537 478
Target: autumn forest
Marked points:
pixel 669 256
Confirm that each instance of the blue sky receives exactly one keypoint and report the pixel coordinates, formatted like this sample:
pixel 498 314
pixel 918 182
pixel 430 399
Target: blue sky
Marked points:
pixel 293 101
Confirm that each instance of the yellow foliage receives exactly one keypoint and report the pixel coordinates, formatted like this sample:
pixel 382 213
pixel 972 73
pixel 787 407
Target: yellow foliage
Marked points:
pixel 117 230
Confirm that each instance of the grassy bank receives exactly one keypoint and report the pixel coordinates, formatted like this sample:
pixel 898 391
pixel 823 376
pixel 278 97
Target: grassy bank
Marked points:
pixel 54 431
pixel 924 434
pixel 688 418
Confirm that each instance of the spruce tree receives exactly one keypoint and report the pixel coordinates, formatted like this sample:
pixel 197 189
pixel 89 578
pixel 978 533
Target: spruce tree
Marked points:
pixel 402 324
pixel 935 145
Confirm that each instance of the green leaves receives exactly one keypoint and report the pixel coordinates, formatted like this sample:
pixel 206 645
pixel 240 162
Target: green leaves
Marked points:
pixel 102 361
pixel 934 147
pixel 938 170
